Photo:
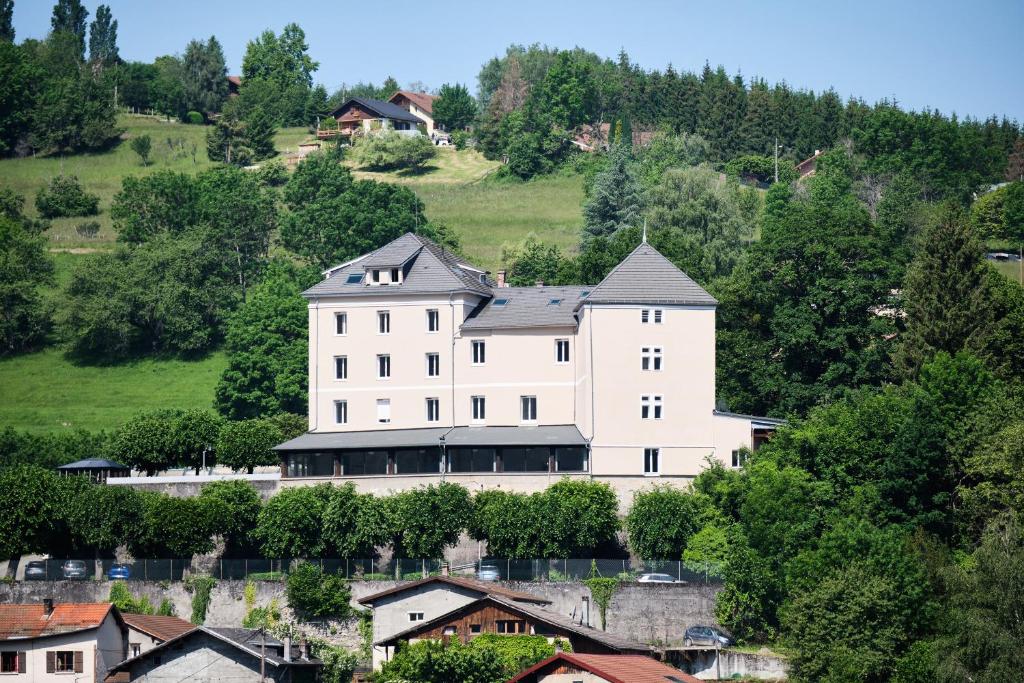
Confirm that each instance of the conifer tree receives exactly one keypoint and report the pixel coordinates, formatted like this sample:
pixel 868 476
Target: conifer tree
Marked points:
pixel 259 135
pixel 944 295
pixel 615 200
pixel 7 20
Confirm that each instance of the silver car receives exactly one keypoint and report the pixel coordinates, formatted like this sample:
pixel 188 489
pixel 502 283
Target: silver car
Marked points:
pixel 488 571
pixel 656 578
pixel 74 569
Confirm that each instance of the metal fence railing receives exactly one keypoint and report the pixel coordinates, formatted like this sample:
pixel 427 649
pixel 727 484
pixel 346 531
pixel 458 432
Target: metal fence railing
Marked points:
pixel 369 569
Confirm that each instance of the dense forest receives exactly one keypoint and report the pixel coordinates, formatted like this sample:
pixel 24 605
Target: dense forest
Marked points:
pixel 877 537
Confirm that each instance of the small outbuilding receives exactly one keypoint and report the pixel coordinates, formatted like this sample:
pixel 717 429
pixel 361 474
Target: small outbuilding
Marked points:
pixel 602 669
pixel 98 470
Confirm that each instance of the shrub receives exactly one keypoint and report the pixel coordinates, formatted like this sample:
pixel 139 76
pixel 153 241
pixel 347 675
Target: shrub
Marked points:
pixel 142 145
pixel 312 592
pixel 88 229
pixel 273 174
pixel 200 587
pixel 391 150
pixel 126 602
pixel 195 118
pixel 65 197
pixel 460 139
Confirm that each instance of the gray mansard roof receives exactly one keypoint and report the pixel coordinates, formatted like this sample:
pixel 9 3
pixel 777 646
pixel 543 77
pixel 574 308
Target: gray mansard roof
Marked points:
pixel 541 435
pixel 647 277
pixel 429 269
pixel 528 307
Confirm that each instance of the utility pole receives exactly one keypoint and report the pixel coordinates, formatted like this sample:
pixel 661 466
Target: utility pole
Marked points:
pixel 776 158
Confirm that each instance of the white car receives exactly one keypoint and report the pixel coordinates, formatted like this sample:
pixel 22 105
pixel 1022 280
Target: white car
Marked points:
pixel 656 578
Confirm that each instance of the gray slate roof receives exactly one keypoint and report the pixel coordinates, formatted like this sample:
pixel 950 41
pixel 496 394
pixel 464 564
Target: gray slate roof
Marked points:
pixel 387 110
pixel 429 270
pixel 647 277
pixel 93 464
pixel 545 435
pixel 528 307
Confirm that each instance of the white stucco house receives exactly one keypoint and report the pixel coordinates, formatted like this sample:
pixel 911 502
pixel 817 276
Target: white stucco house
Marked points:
pixel 57 643
pixel 422 368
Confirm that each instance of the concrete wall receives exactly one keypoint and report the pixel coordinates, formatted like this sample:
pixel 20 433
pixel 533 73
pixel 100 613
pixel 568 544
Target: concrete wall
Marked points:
pixel 185 486
pixel 709 665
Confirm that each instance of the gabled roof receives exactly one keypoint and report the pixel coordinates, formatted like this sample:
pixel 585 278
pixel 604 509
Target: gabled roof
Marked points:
pixel 246 640
pixel 527 307
pixel 647 277
pixel 613 668
pixel 481 587
pixel 423 100
pixel 20 621
pixel 159 627
pixel 525 610
pixel 385 110
pixel 430 270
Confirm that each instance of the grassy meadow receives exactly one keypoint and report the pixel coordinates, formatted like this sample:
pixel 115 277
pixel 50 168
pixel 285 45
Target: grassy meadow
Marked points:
pixel 46 392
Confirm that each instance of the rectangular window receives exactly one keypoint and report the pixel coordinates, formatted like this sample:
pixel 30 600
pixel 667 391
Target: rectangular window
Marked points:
pixel 433 410
pixel 650 358
pixel 375 276
pixel 341 323
pixel 510 626
pixel 657 316
pixel 341 412
pixel 383 366
pixel 449 631
pixel 645 315
pixel 10 661
pixel 474 629
pixel 570 459
pixel 528 405
pixel 433 320
pixel 417 460
pixel 341 367
pixel 415 616
pixel 383 322
pixel 479 408
pixel 383 411
pixel 561 350
pixel 651 457
pixel 525 459
pixel 463 459
pixel 739 458
pixel 433 365
pixel 394 276
pixel 64 660
pixel 479 352
pixel 650 407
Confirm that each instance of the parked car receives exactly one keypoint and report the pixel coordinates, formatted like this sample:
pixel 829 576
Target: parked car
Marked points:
pixel 73 569
pixel 707 635
pixel 656 578
pixel 488 571
pixel 119 571
pixel 35 570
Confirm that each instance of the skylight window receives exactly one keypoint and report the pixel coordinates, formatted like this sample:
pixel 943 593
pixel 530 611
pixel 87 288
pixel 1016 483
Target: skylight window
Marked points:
pixel 353 278
pixel 584 293
pixel 500 302
pixel 554 302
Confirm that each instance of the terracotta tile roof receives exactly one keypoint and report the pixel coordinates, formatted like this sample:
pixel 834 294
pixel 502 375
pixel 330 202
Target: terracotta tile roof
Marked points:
pixel 235 80
pixel 482 587
pixel 30 621
pixel 161 628
pixel 613 668
pixel 424 101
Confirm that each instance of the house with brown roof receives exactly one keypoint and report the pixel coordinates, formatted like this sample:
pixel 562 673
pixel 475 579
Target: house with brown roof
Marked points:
pixel 234 85
pixel 587 668
pixel 210 655
pixel 493 614
pixel 146 631
pixel 396 609
pixel 42 642
pixel 419 104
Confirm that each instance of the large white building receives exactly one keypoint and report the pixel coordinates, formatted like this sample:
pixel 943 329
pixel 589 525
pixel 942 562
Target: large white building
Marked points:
pixel 421 368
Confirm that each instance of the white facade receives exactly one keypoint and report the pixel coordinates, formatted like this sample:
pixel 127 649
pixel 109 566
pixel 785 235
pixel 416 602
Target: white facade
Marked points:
pixel 634 381
pixel 81 656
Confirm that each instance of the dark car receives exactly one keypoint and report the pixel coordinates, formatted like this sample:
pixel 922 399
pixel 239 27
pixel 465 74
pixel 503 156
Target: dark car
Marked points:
pixel 707 635
pixel 74 569
pixel 35 570
pixel 119 571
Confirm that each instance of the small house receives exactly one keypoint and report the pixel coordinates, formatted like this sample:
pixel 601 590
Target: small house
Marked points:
pixel 601 669
pixel 146 631
pixel 419 104
pixel 362 115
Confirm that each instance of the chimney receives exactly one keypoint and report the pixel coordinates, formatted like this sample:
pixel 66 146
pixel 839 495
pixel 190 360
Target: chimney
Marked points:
pixel 287 648
pixel 501 278
pixel 48 606
pixel 540 283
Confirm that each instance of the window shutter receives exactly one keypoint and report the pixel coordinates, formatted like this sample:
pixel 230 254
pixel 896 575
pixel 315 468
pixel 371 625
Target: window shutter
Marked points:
pixel 78 661
pixel 22 661
pixel 51 662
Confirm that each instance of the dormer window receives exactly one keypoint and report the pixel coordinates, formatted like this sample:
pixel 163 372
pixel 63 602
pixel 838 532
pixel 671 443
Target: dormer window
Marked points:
pixel 483 278
pixel 396 276
pixel 554 302
pixel 375 276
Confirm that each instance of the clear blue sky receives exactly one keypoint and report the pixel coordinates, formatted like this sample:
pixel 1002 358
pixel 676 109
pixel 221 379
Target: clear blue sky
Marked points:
pixel 965 56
